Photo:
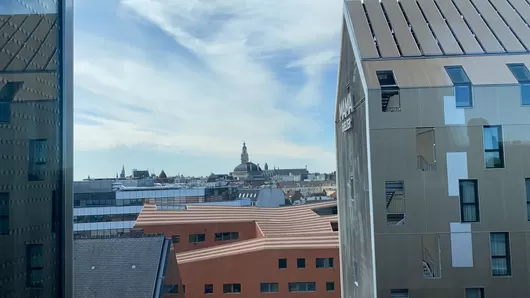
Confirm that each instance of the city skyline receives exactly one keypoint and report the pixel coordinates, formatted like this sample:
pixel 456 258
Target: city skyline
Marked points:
pixel 282 106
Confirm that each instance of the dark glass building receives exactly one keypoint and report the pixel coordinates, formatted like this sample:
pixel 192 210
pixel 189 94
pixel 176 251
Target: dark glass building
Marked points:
pixel 36 142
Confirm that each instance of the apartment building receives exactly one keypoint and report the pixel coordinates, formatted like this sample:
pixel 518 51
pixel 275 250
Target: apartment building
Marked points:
pixel 433 137
pixel 36 123
pixel 256 252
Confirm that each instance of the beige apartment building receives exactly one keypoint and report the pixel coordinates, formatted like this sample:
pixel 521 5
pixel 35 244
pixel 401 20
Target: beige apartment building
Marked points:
pixel 433 148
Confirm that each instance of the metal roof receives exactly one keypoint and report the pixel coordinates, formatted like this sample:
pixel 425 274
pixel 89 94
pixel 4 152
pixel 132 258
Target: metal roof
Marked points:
pixel 414 28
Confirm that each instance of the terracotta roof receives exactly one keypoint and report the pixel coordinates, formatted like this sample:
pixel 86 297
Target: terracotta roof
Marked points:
pixel 283 227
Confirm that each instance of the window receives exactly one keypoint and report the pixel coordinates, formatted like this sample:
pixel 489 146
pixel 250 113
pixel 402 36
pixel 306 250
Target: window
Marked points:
pixel 175 239
pixel 475 293
pixel 431 256
pixel 7 94
pixel 282 263
pixel 469 211
pixel 232 288
pixel 302 286
pixel 4 213
pixel 335 226
pixel 324 262
pixel 171 289
pixel 300 263
pixel 34 265
pixel 527 183
pixel 208 289
pixel 395 203
pixel 426 159
pixel 500 254
pixel 493 147
pixel 390 101
pixel 330 286
pixel 399 293
pixel 269 287
pixel 462 85
pixel 38 154
pixel 521 73
pixel 226 236
pixel 196 238
pixel 5 112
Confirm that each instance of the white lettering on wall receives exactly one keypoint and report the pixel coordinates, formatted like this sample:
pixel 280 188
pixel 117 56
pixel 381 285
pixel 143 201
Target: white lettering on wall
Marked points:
pixel 346 107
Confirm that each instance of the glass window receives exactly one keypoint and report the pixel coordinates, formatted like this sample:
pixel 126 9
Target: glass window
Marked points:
pixel 462 85
pixel 269 287
pixel 522 75
pixel 469 209
pixel 226 236
pixel 300 263
pixel 525 94
pixel 208 289
pixel 330 286
pixel 34 265
pixel 399 293
pixel 196 238
pixel 475 293
pixel 232 288
pixel 324 262
pixel 302 287
pixel 4 213
pixel 500 254
pixel 282 263
pixel 175 239
pixel 5 112
pixel 493 147
pixel 38 155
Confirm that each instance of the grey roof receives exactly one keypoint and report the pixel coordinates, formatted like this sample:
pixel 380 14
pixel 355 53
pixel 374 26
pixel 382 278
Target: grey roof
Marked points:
pixel 247 167
pixel 28 42
pixel 409 28
pixel 118 267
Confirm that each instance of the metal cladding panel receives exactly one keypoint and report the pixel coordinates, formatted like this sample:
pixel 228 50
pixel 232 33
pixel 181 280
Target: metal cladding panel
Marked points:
pixel 423 34
pixel 438 25
pixel 495 22
pixel 363 35
pixel 460 29
pixel 514 21
pixel 522 8
pixel 387 45
pixel 404 37
pixel 484 35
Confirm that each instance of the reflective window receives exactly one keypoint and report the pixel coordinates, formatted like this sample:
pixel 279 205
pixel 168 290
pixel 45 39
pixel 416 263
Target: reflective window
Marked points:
pixel 269 287
pixel 302 286
pixel 522 75
pixel 35 265
pixel 469 209
pixel 493 147
pixel 462 85
pixel 500 254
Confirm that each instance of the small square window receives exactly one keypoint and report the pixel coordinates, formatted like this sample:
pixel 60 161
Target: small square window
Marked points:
pixel 175 239
pixel 208 289
pixel 330 286
pixel 300 263
pixel 475 293
pixel 282 263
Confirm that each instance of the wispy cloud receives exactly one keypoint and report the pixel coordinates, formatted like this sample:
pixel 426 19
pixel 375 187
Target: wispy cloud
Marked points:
pixel 198 77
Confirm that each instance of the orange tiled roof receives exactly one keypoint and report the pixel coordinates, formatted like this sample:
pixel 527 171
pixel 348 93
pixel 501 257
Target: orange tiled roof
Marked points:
pixel 283 228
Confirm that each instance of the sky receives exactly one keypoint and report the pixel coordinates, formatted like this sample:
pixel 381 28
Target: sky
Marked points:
pixel 179 85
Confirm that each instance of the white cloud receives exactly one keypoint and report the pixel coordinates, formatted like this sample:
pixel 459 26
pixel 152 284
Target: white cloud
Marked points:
pixel 230 94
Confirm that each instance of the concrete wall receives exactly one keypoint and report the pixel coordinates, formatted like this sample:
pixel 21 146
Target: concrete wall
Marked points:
pixel 251 269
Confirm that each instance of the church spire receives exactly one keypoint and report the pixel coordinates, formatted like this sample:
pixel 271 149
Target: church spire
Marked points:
pixel 122 174
pixel 244 154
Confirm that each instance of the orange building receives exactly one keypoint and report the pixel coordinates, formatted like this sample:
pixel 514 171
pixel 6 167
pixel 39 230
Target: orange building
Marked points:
pixel 256 252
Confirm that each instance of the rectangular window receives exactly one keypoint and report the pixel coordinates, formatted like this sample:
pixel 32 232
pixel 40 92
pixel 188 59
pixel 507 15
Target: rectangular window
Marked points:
pixel 527 184
pixel 5 112
pixel 493 147
pixel 399 293
pixel 271 287
pixel 469 211
pixel 426 159
pixel 7 94
pixel 34 261
pixel 300 263
pixel 175 239
pixel 232 288
pixel 324 262
pixel 462 85
pixel 226 236
pixel 4 213
pixel 302 286
pixel 390 101
pixel 282 263
pixel 171 289
pixel 335 226
pixel 475 293
pixel 208 289
pixel 500 254
pixel 330 286
pixel 522 75
pixel 395 203
pixel 196 238
pixel 38 156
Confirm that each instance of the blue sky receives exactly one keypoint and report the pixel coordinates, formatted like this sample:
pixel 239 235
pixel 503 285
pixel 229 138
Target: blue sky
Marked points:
pixel 179 85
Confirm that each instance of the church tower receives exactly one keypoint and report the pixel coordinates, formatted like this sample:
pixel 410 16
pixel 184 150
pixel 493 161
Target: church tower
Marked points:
pixel 244 154
pixel 122 174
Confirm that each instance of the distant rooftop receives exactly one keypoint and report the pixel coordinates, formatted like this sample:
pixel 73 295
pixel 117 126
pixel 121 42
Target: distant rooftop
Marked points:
pixel 415 28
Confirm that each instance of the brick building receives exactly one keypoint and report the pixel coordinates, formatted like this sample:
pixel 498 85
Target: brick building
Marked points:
pixel 249 250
